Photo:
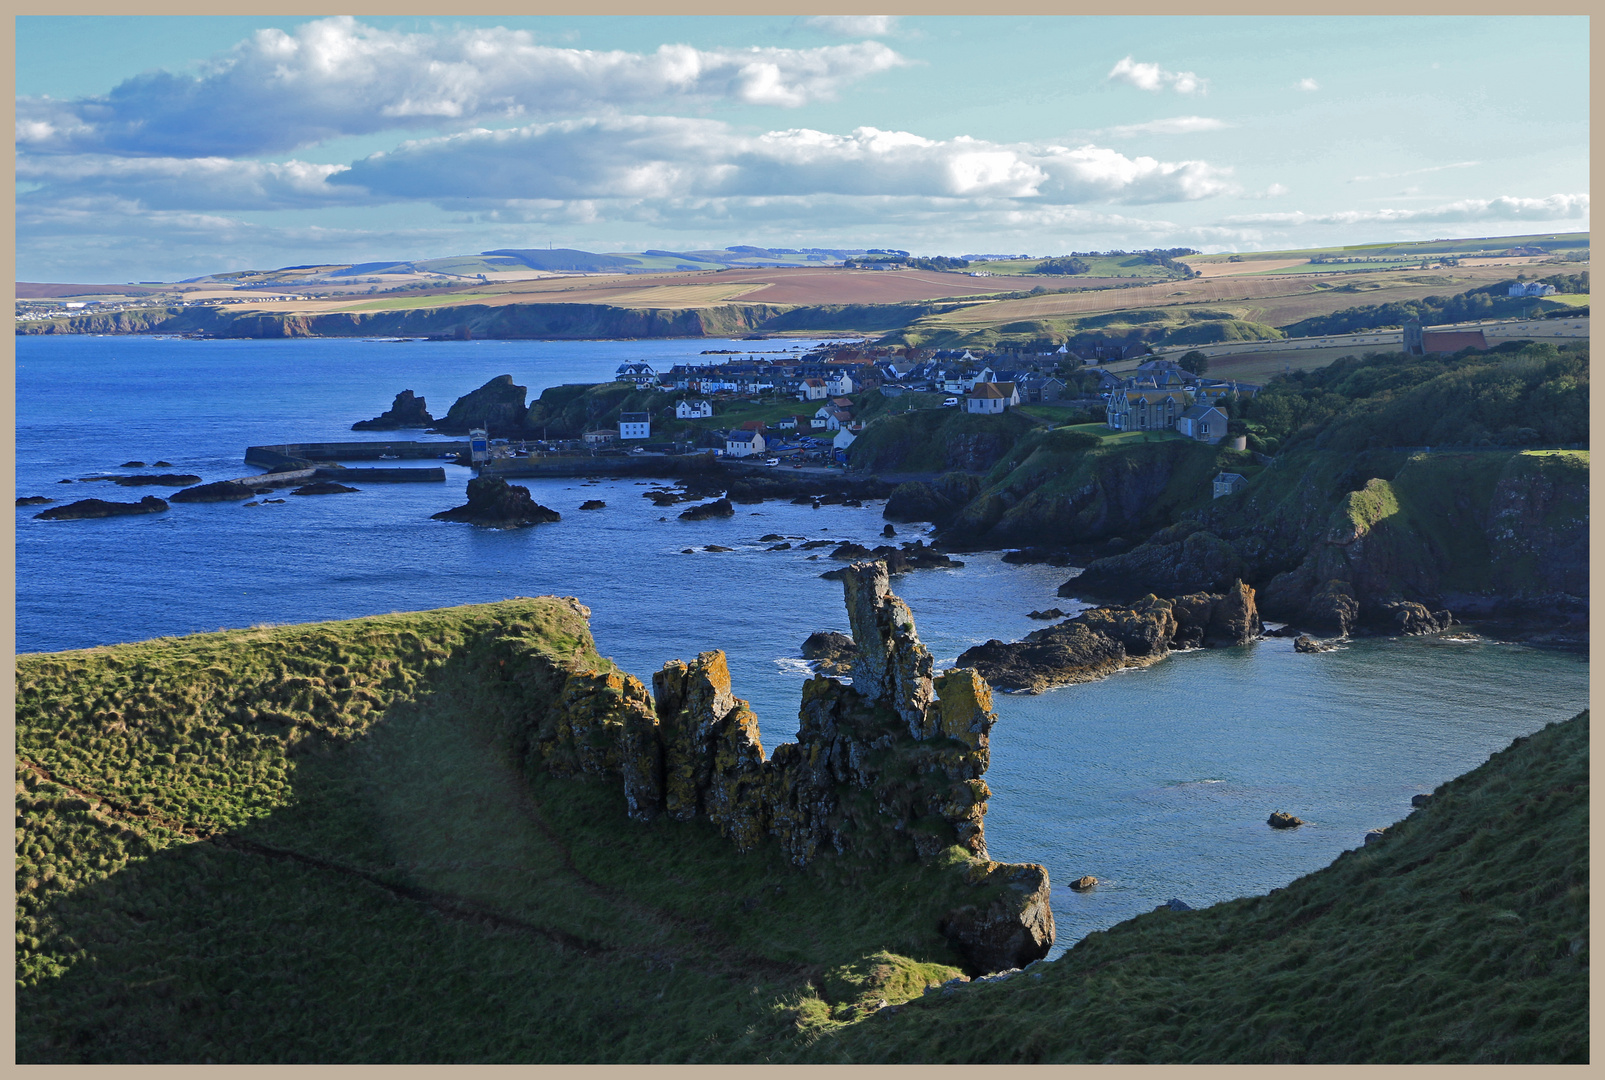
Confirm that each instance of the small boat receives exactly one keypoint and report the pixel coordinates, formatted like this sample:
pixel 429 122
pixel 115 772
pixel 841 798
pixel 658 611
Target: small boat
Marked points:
pixel 389 457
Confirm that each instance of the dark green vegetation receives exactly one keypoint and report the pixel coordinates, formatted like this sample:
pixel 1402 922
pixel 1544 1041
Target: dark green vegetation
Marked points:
pixel 1486 302
pixel 937 441
pixel 308 844
pixel 1462 936
pixel 1519 394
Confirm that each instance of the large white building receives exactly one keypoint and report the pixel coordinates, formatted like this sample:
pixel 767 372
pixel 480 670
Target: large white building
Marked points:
pixel 693 410
pixel 990 397
pixel 744 443
pixel 635 425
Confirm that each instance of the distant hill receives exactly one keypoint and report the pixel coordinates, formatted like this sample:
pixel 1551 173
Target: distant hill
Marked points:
pixel 564 259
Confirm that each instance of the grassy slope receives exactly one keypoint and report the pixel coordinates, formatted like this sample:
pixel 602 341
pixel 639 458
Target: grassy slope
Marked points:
pixel 1461 937
pixel 306 844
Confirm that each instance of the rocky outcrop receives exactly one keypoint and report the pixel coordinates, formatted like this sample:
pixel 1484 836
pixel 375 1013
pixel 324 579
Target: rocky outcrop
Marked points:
pixel 1179 559
pixel 1282 820
pixel 150 480
pixel 407 411
pixel 718 508
pixel 1306 644
pixel 99 508
pixel 494 503
pixel 914 555
pixel 593 504
pixel 938 500
pixel 219 491
pixel 323 487
pixel 1102 640
pixel 832 651
pixel 887 769
pixel 34 500
pixel 498 406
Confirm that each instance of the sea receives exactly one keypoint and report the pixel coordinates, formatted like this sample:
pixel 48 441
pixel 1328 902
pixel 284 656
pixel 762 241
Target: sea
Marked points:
pixel 1157 781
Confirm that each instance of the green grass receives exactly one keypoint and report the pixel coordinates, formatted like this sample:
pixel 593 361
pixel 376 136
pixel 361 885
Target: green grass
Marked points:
pixel 1461 937
pixel 311 844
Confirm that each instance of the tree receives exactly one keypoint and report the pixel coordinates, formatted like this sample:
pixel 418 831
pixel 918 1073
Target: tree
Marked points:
pixel 1195 362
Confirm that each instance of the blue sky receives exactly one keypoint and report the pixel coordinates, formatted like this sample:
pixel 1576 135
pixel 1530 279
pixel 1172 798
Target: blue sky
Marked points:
pixel 157 148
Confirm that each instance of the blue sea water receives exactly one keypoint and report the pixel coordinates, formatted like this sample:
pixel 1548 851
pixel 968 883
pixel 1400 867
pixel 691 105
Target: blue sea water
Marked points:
pixel 1157 781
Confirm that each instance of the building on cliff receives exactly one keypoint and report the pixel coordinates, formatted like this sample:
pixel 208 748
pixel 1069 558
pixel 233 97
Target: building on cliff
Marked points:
pixel 989 398
pixel 1205 423
pixel 1146 410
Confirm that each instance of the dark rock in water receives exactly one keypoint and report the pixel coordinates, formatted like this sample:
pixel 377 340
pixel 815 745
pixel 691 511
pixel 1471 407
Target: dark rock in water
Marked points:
pixel 496 504
pixel 1174 904
pixel 688 551
pixel 407 411
pixel 1407 618
pixel 716 547
pixel 593 504
pixel 323 487
pixel 1305 643
pixel 1051 613
pixel 1419 801
pixel 803 500
pixel 1280 820
pixel 779 547
pixel 850 550
pixel 270 502
pixel 834 651
pixel 99 508
pixel 1082 884
pixel 1286 631
pixel 856 503
pixel 497 406
pixel 664 498
pixel 217 491
pixel 132 465
pixel 770 538
pixel 34 500
pixel 153 480
pixel 914 555
pixel 811 544
pixel 161 464
pixel 888 531
pixel 63 481
pixel 253 502
pixel 719 508
pixel 1037 556
pixel 263 490
pixel 1372 836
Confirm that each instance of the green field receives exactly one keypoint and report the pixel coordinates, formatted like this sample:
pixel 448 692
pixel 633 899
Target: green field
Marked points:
pixel 1491 245
pixel 1099 266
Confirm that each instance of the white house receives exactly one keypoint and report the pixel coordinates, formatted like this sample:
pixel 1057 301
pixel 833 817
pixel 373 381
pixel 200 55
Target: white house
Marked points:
pixel 990 397
pixel 840 383
pixel 640 374
pixel 744 443
pixel 1531 288
pixel 1228 482
pixel 971 381
pixel 600 437
pixel 1205 423
pixel 821 418
pixel 846 436
pixel 693 410
pixel 813 390
pixel 836 419
pixel 635 425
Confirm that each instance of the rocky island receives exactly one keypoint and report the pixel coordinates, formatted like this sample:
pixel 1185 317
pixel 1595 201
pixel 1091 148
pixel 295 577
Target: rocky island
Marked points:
pixel 494 503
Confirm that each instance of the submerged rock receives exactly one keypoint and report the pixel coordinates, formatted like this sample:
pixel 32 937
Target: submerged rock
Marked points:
pixel 99 508
pixel 407 411
pixel 496 504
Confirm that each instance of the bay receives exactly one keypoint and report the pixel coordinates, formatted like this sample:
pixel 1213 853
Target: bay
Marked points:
pixel 1157 781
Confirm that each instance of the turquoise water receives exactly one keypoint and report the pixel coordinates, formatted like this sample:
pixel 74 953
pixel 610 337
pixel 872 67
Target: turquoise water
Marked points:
pixel 1157 781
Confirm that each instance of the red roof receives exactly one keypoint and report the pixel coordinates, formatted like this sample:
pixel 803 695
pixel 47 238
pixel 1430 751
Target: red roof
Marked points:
pixel 1452 340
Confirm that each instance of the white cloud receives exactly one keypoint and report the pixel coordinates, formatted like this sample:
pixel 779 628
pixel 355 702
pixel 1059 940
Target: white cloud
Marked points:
pixel 1308 84
pixel 210 183
pixel 1504 208
pixel 658 158
pixel 1152 77
pixel 334 77
pixel 1174 125
pixel 853 25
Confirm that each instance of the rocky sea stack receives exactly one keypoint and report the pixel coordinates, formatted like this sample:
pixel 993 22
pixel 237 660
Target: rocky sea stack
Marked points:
pixel 496 504
pixel 408 411
pixel 888 768
pixel 498 406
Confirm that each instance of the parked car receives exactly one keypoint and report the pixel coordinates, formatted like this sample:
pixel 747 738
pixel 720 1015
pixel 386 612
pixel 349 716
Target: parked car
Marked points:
pixel 949 403
pixel 773 461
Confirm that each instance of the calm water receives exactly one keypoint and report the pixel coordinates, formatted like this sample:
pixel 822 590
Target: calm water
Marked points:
pixel 1156 781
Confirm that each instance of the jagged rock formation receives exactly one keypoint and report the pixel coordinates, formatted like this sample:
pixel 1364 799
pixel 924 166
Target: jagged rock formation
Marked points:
pixel 888 768
pixel 494 503
pixel 1102 640
pixel 407 411
pixel 938 501
pixel 99 508
pixel 498 406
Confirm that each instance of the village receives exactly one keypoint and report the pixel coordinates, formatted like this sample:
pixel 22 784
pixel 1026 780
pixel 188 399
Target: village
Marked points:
pixel 815 405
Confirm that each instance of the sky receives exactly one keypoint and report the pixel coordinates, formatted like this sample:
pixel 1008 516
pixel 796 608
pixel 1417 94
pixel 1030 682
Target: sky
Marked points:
pixel 165 147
